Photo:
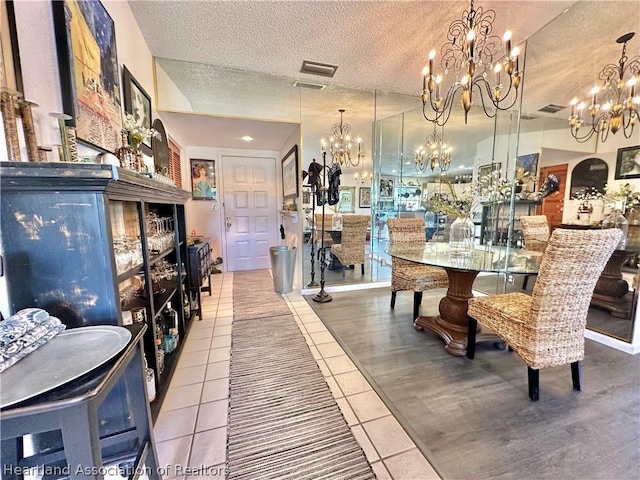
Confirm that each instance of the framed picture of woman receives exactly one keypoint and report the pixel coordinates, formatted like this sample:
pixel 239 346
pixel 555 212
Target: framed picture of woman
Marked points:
pixel 628 163
pixel 203 179
pixel 365 197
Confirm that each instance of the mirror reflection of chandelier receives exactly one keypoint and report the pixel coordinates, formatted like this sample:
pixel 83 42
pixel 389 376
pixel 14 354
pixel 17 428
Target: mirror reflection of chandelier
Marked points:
pixel 362 177
pixel 340 144
pixel 436 153
pixel 471 54
pixel 620 107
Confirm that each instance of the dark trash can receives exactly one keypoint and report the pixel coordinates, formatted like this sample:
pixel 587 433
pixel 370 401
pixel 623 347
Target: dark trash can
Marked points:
pixel 283 265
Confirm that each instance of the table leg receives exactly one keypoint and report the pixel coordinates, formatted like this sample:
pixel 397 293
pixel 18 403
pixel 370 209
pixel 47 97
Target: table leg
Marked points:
pixel 452 324
pixel 612 290
pixel 81 441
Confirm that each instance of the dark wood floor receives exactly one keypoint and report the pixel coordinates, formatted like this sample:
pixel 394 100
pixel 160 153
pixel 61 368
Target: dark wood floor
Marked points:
pixel 473 419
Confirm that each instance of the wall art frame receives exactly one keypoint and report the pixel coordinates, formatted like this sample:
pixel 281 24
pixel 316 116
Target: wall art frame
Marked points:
pixel 290 174
pixel 203 179
pixel 347 200
pixel 386 187
pixel 628 163
pixel 488 168
pixel 364 197
pixel 89 73
pixel 137 102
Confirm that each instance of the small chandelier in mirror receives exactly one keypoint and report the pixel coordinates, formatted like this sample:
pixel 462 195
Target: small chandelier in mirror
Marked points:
pixel 619 110
pixel 340 145
pixel 436 153
pixel 471 54
pixel 362 177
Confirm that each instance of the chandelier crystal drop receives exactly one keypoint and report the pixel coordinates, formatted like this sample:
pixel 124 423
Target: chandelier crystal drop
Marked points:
pixel 436 153
pixel 340 144
pixel 614 104
pixel 472 55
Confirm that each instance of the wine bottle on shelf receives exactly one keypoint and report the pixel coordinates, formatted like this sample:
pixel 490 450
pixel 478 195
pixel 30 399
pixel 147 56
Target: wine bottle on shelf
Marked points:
pixel 125 153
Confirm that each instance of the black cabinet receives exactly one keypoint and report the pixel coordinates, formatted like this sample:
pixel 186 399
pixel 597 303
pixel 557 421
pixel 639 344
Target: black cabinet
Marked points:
pixel 200 267
pixel 496 221
pixel 86 242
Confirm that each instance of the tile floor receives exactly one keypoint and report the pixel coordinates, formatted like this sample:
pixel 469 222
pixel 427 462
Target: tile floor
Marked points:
pixel 191 429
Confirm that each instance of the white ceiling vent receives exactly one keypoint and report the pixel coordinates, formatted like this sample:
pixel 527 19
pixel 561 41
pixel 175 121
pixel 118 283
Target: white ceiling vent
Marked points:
pixel 316 68
pixel 552 108
pixel 311 85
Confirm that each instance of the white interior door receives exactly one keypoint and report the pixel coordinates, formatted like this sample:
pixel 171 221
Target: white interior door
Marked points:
pixel 250 211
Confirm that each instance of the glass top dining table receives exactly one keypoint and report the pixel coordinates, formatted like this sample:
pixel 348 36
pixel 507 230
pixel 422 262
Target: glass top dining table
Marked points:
pixel 452 322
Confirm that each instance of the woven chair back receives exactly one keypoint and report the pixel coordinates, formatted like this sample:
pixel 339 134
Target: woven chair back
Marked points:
pixel 354 230
pixel 406 230
pixel 535 229
pixel 328 219
pixel 570 268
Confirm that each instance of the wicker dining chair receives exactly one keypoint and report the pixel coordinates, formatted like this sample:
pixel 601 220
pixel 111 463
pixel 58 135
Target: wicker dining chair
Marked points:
pixel 322 234
pixel 535 230
pixel 354 238
pixel 547 328
pixel 407 275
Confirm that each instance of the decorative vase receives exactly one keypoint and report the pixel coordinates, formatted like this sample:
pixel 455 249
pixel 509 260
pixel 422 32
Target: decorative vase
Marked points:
pixel 126 154
pixel 336 221
pixel 461 237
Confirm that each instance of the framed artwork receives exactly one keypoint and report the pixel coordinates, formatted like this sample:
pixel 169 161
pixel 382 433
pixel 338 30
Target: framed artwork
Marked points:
pixel 306 195
pixel 364 197
pixel 138 103
pixel 346 200
pixel 527 164
pixel 89 73
pixel 10 69
pixel 290 173
pixel 386 187
pixel 487 169
pixel 203 179
pixel 628 163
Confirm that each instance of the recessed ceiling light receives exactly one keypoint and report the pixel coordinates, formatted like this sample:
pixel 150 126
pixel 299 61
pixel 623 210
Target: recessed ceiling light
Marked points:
pixel 393 171
pixel 247 138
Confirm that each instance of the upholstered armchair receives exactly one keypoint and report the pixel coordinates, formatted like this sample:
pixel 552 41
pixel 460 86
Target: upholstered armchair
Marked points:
pixel 406 275
pixel 535 230
pixel 354 238
pixel 547 328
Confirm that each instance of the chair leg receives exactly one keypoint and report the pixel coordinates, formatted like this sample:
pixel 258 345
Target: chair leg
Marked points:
pixel 576 375
pixel 393 300
pixel 525 282
pixel 343 267
pixel 534 388
pixel 417 300
pixel 471 338
pixel 362 268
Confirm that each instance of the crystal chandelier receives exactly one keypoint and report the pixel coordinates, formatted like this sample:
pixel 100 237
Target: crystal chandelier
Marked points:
pixel 340 144
pixel 436 153
pixel 362 177
pixel 471 54
pixel 620 107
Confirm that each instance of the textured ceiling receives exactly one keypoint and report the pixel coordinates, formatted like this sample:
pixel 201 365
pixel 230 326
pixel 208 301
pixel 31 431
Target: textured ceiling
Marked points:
pixel 240 58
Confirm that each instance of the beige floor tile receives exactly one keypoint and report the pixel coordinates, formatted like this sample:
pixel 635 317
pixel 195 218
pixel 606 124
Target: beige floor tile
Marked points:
pixel 208 316
pixel 220 321
pixel 217 370
pixel 323 368
pixel 410 465
pixel 212 415
pixel 199 324
pixel 192 345
pixel 175 423
pixel 315 353
pixel 341 364
pixel 225 313
pixel 309 318
pixel 381 472
pixel 209 448
pixel 365 443
pixel 333 386
pixel 215 390
pixel 321 337
pixel 330 350
pixel 315 327
pixel 190 359
pixel 221 341
pixel 219 354
pixel 352 383
pixel 209 307
pixel 367 406
pixel 347 412
pixel 197 333
pixel 189 375
pixel 182 396
pixel 226 305
pixel 388 437
pixel 307 339
pixel 173 452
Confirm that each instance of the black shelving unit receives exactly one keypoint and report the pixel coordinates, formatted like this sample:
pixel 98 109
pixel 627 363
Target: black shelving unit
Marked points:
pixel 496 219
pixel 59 221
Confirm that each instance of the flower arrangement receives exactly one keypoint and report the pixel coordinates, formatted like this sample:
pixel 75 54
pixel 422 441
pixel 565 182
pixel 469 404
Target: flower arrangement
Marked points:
pixel 624 192
pixel 137 133
pixel 491 187
pixel 587 193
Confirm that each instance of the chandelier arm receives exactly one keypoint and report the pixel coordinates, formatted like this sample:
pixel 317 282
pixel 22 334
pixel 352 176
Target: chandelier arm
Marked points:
pixel 482 102
pixel 584 138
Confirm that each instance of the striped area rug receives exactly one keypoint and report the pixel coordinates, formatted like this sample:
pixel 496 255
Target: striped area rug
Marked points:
pixel 283 420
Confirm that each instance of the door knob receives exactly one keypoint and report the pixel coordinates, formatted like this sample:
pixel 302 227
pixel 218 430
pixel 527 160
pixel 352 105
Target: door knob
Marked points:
pixel 228 222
